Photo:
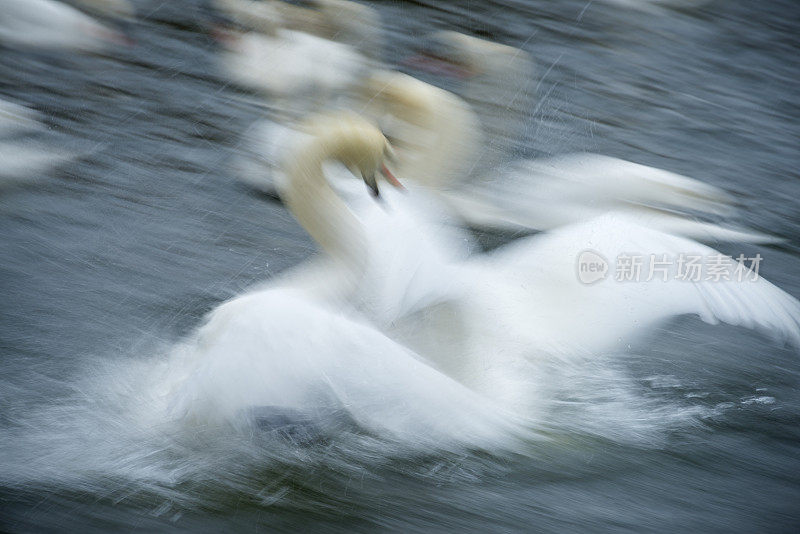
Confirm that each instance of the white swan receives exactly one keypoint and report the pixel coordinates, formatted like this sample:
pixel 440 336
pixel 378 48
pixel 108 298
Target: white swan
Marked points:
pixel 495 80
pixel 54 25
pixel 298 71
pixel 285 346
pixel 435 135
pixel 482 319
pixel 291 349
pixel 342 21
pixel 549 192
pixel 402 244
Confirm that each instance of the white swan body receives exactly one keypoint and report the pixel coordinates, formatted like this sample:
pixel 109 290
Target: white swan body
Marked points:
pixel 291 65
pixel 53 25
pixel 300 68
pixel 335 20
pixel 284 352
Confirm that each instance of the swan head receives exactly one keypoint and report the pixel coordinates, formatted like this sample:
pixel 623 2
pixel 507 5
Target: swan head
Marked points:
pixel 356 143
pixel 456 55
pixel 402 96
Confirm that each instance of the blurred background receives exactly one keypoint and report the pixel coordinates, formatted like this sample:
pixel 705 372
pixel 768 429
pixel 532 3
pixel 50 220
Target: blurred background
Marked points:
pixel 123 223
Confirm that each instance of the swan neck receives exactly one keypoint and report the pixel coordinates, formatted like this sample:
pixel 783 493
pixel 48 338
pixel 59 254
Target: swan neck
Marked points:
pixel 322 213
pixel 448 155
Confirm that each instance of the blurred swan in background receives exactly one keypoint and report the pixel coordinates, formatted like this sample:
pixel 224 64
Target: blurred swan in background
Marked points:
pixel 335 20
pixel 297 69
pixel 548 192
pixel 432 131
pixel 435 134
pixel 495 80
pixel 53 25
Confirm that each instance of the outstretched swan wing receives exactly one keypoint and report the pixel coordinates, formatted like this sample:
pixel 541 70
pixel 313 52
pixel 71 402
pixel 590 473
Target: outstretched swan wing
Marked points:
pixel 598 283
pixel 543 194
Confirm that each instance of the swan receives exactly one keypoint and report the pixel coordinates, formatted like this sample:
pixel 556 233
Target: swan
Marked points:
pixel 401 244
pixel 298 71
pixel 533 280
pixel 303 343
pixel 336 20
pixel 435 135
pixel 481 319
pixel 53 25
pixel 495 80
pixel 549 192
pixel 294 349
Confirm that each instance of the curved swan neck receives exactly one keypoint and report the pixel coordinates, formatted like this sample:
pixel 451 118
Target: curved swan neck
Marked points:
pixel 316 205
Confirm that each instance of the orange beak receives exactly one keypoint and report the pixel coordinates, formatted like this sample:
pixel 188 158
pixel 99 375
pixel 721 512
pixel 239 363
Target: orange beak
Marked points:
pixel 390 177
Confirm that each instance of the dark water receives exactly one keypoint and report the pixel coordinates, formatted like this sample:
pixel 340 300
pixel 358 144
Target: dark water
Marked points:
pixel 115 256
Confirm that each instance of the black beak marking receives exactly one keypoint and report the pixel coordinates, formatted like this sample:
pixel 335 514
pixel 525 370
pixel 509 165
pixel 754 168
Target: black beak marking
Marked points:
pixel 372 185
